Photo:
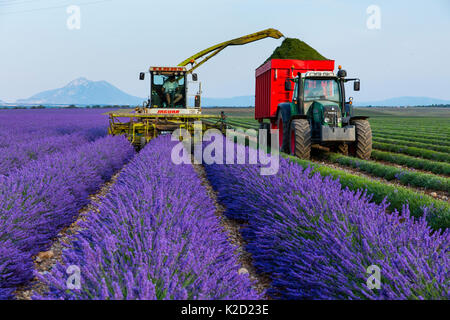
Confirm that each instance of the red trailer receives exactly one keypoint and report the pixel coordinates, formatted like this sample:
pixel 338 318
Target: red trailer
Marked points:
pixel 270 80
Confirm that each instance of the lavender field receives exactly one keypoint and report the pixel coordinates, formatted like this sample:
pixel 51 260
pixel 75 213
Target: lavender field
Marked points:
pixel 157 230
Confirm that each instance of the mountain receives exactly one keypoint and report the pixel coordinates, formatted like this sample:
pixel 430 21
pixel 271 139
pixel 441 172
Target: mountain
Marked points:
pixel 84 92
pixel 404 101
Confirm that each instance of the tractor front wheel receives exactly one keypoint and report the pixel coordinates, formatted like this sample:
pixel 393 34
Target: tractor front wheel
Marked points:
pixel 362 147
pixel 300 135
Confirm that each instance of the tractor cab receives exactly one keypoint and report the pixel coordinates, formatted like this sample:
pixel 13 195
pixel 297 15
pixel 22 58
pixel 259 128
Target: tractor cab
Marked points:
pixel 324 89
pixel 169 91
pixel 320 96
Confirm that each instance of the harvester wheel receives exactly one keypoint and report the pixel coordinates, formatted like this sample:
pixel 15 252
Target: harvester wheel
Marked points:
pixel 300 138
pixel 362 147
pixel 283 131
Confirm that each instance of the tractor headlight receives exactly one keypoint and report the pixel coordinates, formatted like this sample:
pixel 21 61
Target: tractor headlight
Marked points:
pixel 326 119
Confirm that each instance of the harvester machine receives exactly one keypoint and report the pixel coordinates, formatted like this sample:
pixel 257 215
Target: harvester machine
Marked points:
pixel 168 106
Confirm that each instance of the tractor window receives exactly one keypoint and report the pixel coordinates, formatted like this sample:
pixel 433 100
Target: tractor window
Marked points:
pixel 321 89
pixel 294 96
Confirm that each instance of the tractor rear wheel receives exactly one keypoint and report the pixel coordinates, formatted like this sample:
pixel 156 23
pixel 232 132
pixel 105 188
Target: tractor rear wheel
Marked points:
pixel 283 131
pixel 300 138
pixel 362 147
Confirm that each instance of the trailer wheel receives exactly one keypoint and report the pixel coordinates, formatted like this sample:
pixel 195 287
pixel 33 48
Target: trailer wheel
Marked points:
pixel 300 138
pixel 362 147
pixel 283 131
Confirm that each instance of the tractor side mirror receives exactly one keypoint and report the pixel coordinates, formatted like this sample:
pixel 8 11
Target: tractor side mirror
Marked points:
pixel 288 85
pixel 194 77
pixel 142 76
pixel 356 85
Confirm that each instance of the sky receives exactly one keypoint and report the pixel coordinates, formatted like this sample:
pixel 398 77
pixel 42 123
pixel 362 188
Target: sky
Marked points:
pixel 403 51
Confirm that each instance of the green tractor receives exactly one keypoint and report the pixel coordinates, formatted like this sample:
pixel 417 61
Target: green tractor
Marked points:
pixel 319 115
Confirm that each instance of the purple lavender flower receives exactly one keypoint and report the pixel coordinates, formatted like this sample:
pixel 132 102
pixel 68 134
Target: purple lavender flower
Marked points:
pixel 45 195
pixel 317 240
pixel 154 236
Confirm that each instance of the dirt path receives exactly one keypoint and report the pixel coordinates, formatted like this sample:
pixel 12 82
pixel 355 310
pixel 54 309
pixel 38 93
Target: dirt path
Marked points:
pixel 45 261
pixel 232 227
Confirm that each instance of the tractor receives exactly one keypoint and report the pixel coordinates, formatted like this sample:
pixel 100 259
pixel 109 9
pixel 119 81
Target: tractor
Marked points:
pixel 306 102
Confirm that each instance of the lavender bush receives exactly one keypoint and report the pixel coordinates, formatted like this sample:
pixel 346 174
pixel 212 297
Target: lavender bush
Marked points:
pixel 317 240
pixel 27 135
pixel 154 236
pixel 44 196
pixel 17 155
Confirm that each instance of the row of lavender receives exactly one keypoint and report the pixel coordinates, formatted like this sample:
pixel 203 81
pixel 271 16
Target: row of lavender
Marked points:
pixel 47 169
pixel 44 196
pixel 317 240
pixel 155 235
pixel 27 135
